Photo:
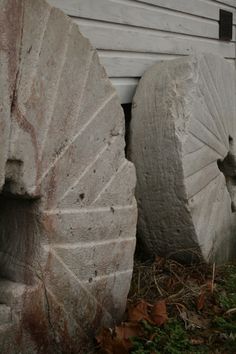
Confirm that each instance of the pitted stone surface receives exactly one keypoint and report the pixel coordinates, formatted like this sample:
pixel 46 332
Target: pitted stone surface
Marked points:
pixel 5 314
pixel 68 213
pixel 182 129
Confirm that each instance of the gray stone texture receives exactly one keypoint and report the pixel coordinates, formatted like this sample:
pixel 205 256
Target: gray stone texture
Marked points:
pixel 67 208
pixel 182 142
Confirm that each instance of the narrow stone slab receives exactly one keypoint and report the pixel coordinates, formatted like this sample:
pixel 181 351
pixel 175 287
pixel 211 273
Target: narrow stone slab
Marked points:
pixel 67 207
pixel 183 136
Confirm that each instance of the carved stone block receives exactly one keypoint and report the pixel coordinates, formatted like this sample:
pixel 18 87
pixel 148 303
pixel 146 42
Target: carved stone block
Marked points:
pixel 67 207
pixel 183 144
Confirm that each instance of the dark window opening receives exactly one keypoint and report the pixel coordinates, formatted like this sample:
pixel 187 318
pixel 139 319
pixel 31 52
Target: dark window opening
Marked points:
pixel 226 25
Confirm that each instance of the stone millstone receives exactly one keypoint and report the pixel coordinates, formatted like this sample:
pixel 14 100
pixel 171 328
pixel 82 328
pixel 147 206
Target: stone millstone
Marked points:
pixel 182 143
pixel 67 207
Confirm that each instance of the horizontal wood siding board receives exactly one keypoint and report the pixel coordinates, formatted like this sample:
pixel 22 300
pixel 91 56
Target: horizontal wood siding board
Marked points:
pixel 114 37
pixel 231 61
pixel 138 14
pixel 129 65
pixel 231 3
pixel 201 8
pixel 160 15
pixel 125 88
pixel 118 65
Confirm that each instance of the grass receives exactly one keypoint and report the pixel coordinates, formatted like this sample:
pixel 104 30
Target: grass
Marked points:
pixel 171 338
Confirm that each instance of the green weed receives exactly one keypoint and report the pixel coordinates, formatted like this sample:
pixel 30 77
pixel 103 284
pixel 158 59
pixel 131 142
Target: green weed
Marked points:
pixel 169 339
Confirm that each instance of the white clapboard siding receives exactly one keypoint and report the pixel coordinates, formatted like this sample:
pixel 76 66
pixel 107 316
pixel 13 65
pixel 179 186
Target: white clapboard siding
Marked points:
pixel 126 64
pixel 231 61
pixel 227 2
pixel 119 64
pixel 134 13
pixel 131 35
pixel 127 38
pixel 202 8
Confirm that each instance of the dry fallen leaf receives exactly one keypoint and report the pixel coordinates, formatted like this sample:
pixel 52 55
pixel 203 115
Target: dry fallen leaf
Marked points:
pixel 118 347
pixel 105 340
pixel 139 312
pixel 159 313
pixel 201 300
pixel 126 331
pixel 110 344
pixel 119 340
pixel 193 320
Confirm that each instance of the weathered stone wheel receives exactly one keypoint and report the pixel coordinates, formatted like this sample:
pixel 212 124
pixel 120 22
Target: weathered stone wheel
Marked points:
pixel 182 138
pixel 68 213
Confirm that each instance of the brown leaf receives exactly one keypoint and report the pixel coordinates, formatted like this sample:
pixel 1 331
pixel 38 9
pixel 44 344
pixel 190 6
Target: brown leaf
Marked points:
pixel 201 300
pixel 105 340
pixel 139 312
pixel 192 320
pixel 110 344
pixel 126 331
pixel 159 313
pixel 103 335
pixel 118 347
